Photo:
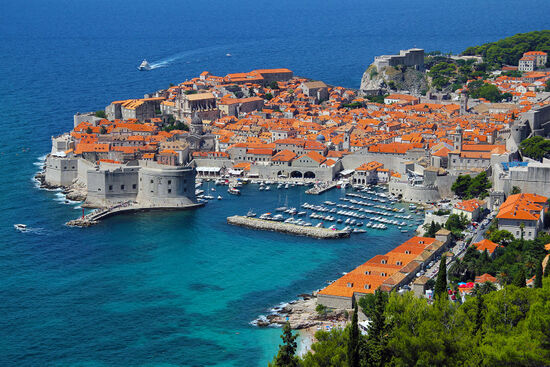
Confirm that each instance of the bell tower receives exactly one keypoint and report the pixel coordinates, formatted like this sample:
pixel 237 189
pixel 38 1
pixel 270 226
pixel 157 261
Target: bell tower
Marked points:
pixel 457 138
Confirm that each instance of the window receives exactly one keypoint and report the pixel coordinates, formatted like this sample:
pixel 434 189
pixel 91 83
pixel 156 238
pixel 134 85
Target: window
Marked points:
pixel 383 261
pixel 185 189
pixel 367 286
pixel 151 181
pixel 169 182
pixel 110 187
pixel 122 187
pixel 407 252
pixel 367 272
pixel 134 186
pixel 349 285
pixel 399 263
pixel 169 191
pixel 98 189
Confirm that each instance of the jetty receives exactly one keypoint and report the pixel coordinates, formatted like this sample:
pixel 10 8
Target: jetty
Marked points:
pixel 123 208
pixel 270 225
pixel 320 188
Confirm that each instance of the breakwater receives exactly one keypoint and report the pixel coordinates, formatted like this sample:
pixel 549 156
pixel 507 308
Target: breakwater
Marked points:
pixel 124 208
pixel 269 225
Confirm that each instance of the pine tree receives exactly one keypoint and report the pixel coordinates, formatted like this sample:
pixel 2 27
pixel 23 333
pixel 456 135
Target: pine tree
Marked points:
pixel 353 344
pixel 479 315
pixel 547 268
pixel 538 275
pixel 286 357
pixel 376 346
pixel 441 282
pixel 519 279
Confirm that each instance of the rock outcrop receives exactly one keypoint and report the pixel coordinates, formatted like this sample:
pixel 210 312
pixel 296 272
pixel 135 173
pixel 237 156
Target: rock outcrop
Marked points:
pixel 301 314
pixel 393 78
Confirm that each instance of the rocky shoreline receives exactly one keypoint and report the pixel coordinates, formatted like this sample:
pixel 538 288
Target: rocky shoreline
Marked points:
pixel 301 314
pixel 75 192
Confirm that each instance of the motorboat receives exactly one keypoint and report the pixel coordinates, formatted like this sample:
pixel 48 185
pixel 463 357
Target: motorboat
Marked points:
pixel 250 213
pixel 219 197
pixel 144 66
pixel 233 191
pixel 20 227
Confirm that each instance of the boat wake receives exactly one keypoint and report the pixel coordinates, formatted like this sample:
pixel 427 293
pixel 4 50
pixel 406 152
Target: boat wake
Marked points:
pixel 221 50
pixel 163 63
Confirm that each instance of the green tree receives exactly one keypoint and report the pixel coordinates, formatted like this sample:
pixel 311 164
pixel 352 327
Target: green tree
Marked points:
pixel 374 350
pixel 329 350
pixel 89 130
pixel 535 147
pixel 268 96
pixel 441 282
pixel 461 185
pixel 547 268
pixel 538 275
pixel 103 130
pixel 501 236
pixel 101 114
pixel 321 310
pixel 432 229
pixel 286 357
pixel 515 190
pixel 353 344
pixel 519 279
pixel 368 303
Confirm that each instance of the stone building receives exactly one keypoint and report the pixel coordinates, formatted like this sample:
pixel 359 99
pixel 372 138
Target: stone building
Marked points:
pixel 413 57
pixel 317 90
pixel 522 215
pixel 201 104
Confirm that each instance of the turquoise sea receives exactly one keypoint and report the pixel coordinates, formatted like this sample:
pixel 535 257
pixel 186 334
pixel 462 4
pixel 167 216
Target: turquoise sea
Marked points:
pixel 179 288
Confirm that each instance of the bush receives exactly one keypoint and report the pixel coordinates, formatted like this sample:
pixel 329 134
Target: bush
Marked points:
pixel 101 114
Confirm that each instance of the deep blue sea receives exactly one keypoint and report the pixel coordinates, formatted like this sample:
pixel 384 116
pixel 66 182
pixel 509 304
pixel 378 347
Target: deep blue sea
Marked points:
pixel 179 288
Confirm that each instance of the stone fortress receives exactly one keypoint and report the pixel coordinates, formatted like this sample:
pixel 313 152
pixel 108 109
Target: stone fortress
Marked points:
pixel 413 57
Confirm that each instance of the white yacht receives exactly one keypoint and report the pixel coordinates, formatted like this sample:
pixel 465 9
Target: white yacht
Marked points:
pixel 144 66
pixel 20 227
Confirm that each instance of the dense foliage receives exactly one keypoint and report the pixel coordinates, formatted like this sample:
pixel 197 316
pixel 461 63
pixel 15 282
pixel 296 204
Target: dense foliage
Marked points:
pixel 101 114
pixel 286 357
pixel 480 89
pixel 466 187
pixel 535 148
pixel 509 327
pixel 509 50
pixel 447 73
pixel 512 258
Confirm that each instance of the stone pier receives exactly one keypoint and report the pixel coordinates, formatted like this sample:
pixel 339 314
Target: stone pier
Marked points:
pixel 269 225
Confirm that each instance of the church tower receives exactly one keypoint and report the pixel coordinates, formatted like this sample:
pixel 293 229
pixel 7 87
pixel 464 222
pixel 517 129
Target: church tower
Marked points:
pixel 196 125
pixel 463 103
pixel 457 138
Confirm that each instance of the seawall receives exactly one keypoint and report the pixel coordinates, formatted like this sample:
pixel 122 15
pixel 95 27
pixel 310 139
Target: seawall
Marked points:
pixel 268 225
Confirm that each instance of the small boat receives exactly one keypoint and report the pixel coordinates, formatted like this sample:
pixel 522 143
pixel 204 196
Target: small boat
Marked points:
pixel 144 66
pixel 233 191
pixel 219 197
pixel 286 186
pixel 267 188
pixel 250 213
pixel 212 189
pixel 20 227
pixel 281 209
pixel 228 55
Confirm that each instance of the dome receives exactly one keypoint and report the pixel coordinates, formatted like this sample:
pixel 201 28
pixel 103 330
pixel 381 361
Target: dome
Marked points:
pixel 320 138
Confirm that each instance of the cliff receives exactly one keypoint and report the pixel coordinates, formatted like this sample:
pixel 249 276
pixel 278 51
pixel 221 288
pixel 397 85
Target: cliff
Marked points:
pixel 391 78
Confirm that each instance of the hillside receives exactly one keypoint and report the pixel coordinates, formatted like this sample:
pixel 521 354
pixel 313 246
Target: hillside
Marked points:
pixel 509 50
